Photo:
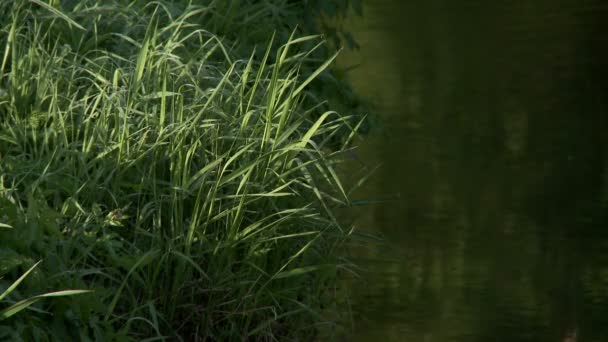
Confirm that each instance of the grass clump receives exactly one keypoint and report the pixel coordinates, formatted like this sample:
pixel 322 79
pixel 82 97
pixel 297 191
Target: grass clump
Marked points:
pixel 188 186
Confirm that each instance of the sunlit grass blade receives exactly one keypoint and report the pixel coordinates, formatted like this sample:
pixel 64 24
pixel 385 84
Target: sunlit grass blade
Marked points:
pixel 18 281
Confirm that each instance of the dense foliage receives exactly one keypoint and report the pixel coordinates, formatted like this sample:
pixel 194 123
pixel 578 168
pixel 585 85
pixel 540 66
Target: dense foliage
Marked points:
pixel 175 158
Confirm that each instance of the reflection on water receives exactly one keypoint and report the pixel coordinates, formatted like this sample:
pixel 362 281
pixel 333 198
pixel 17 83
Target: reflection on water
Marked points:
pixel 493 154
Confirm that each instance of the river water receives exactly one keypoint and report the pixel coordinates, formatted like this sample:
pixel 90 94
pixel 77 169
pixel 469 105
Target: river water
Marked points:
pixel 492 187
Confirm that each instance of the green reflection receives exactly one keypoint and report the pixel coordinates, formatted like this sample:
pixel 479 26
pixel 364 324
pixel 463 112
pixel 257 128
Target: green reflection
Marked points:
pixel 493 160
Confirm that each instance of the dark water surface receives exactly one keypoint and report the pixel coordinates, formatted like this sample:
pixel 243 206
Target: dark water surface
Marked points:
pixel 494 170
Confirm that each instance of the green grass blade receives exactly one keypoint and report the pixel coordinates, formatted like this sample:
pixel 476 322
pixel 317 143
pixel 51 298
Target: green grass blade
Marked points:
pixel 18 281
pixel 297 272
pixel 58 13
pixel 316 73
pixel 312 130
pixel 24 304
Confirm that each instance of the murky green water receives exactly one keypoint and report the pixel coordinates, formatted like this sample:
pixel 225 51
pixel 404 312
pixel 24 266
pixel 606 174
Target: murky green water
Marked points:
pixel 494 170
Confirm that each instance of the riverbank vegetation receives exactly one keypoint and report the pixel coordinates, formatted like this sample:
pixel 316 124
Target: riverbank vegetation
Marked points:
pixel 175 159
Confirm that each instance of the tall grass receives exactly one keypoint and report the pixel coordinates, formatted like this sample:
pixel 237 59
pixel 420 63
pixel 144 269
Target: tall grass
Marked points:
pixel 187 186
